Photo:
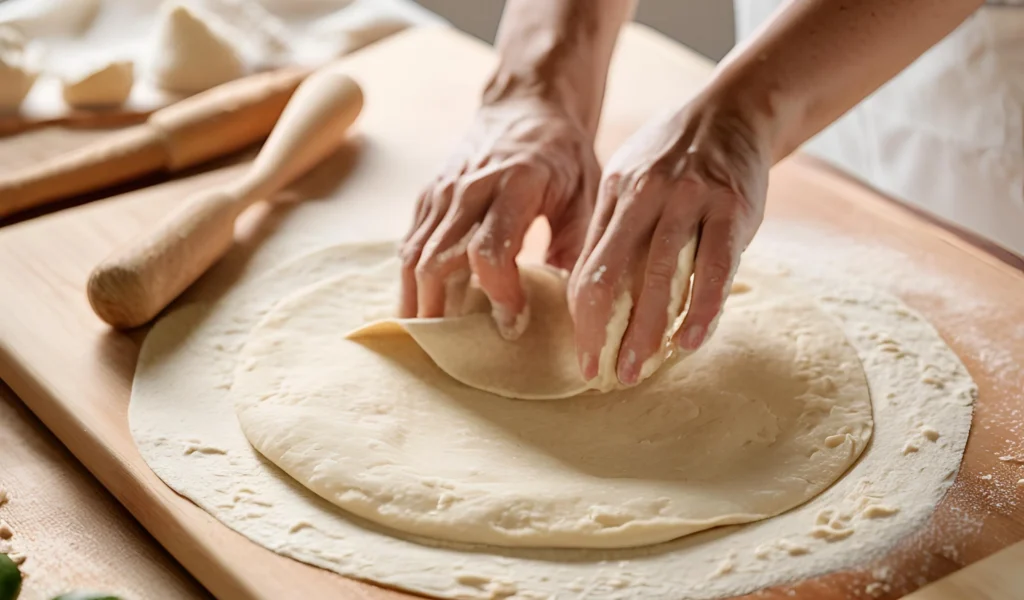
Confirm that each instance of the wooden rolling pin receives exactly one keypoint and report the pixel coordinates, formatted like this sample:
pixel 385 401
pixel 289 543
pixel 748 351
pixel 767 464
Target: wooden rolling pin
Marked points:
pixel 136 283
pixel 213 123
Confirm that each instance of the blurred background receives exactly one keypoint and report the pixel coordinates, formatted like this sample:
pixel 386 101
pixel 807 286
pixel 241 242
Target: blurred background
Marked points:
pixel 706 27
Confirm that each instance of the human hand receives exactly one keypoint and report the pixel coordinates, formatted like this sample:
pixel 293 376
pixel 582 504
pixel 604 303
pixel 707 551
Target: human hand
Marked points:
pixel 698 173
pixel 523 157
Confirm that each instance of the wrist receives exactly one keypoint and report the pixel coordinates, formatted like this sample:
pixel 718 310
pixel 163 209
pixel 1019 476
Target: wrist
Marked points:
pixel 758 111
pixel 508 86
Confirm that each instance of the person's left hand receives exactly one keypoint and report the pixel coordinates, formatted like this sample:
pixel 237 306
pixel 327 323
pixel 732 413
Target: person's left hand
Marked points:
pixel 701 171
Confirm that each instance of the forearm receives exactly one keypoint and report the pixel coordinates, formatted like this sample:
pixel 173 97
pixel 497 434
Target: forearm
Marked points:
pixel 817 59
pixel 558 50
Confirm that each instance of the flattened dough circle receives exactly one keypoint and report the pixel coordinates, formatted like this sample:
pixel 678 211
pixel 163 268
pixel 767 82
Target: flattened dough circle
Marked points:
pixel 764 417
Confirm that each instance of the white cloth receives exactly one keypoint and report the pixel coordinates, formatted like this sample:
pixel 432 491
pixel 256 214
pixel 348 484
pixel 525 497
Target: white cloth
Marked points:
pixel 70 38
pixel 947 134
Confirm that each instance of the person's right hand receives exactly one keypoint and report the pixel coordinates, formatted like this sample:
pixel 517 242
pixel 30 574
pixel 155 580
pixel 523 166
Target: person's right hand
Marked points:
pixel 524 157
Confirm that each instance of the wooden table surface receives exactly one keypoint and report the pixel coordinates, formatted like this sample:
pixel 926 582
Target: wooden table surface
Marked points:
pixel 73 533
pixel 123 558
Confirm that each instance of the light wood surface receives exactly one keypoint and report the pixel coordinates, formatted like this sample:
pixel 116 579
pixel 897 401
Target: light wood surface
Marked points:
pixel 138 281
pixel 72 532
pixel 211 124
pixel 998 577
pixel 75 373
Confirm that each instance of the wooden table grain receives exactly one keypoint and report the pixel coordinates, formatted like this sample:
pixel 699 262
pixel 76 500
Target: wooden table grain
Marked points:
pixel 73 534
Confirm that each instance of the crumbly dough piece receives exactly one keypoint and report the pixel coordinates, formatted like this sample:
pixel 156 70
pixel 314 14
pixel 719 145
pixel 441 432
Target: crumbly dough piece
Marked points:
pixel 108 86
pixel 764 417
pixel 194 52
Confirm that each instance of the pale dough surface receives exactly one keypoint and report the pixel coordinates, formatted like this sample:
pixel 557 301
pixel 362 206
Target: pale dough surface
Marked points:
pixel 541 364
pixel 184 423
pixel 764 417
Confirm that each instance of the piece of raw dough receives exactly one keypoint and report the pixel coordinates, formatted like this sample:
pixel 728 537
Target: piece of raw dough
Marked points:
pixel 741 430
pixel 193 52
pixel 16 77
pixel 107 86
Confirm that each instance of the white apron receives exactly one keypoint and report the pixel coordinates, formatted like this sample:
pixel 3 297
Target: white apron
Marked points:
pixel 947 134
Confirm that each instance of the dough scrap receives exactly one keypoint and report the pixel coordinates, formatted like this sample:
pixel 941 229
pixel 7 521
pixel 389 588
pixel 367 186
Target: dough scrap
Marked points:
pixel 108 86
pixel 193 51
pixel 735 433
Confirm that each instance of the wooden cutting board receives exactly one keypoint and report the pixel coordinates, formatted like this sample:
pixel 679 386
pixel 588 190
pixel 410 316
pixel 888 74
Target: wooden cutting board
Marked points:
pixel 421 86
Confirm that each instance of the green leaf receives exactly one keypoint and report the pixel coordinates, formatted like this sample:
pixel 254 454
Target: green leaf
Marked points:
pixel 10 578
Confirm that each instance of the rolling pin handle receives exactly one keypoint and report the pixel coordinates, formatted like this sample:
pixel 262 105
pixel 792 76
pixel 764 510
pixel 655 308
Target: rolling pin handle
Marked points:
pixel 130 288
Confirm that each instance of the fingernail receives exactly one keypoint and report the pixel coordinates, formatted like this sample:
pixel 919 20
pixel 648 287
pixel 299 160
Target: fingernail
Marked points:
pixel 627 368
pixel 588 366
pixel 693 337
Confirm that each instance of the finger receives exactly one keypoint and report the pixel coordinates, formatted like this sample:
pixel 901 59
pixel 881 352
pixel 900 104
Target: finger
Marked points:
pixel 494 247
pixel 717 256
pixel 603 297
pixel 608 194
pixel 665 287
pixel 419 214
pixel 412 248
pixel 444 253
pixel 569 231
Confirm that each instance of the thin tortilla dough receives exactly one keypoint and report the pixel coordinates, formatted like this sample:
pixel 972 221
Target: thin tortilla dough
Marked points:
pixel 764 417
pixel 541 364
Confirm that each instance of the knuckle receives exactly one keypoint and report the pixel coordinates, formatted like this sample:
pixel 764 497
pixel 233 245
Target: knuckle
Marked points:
pixel 481 247
pixel 444 189
pixel 595 285
pixel 660 273
pixel 409 256
pixel 717 272
pixel 610 185
pixel 468 187
pixel 640 181
pixel 689 186
pixel 426 267
pixel 487 250
pixel 526 175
